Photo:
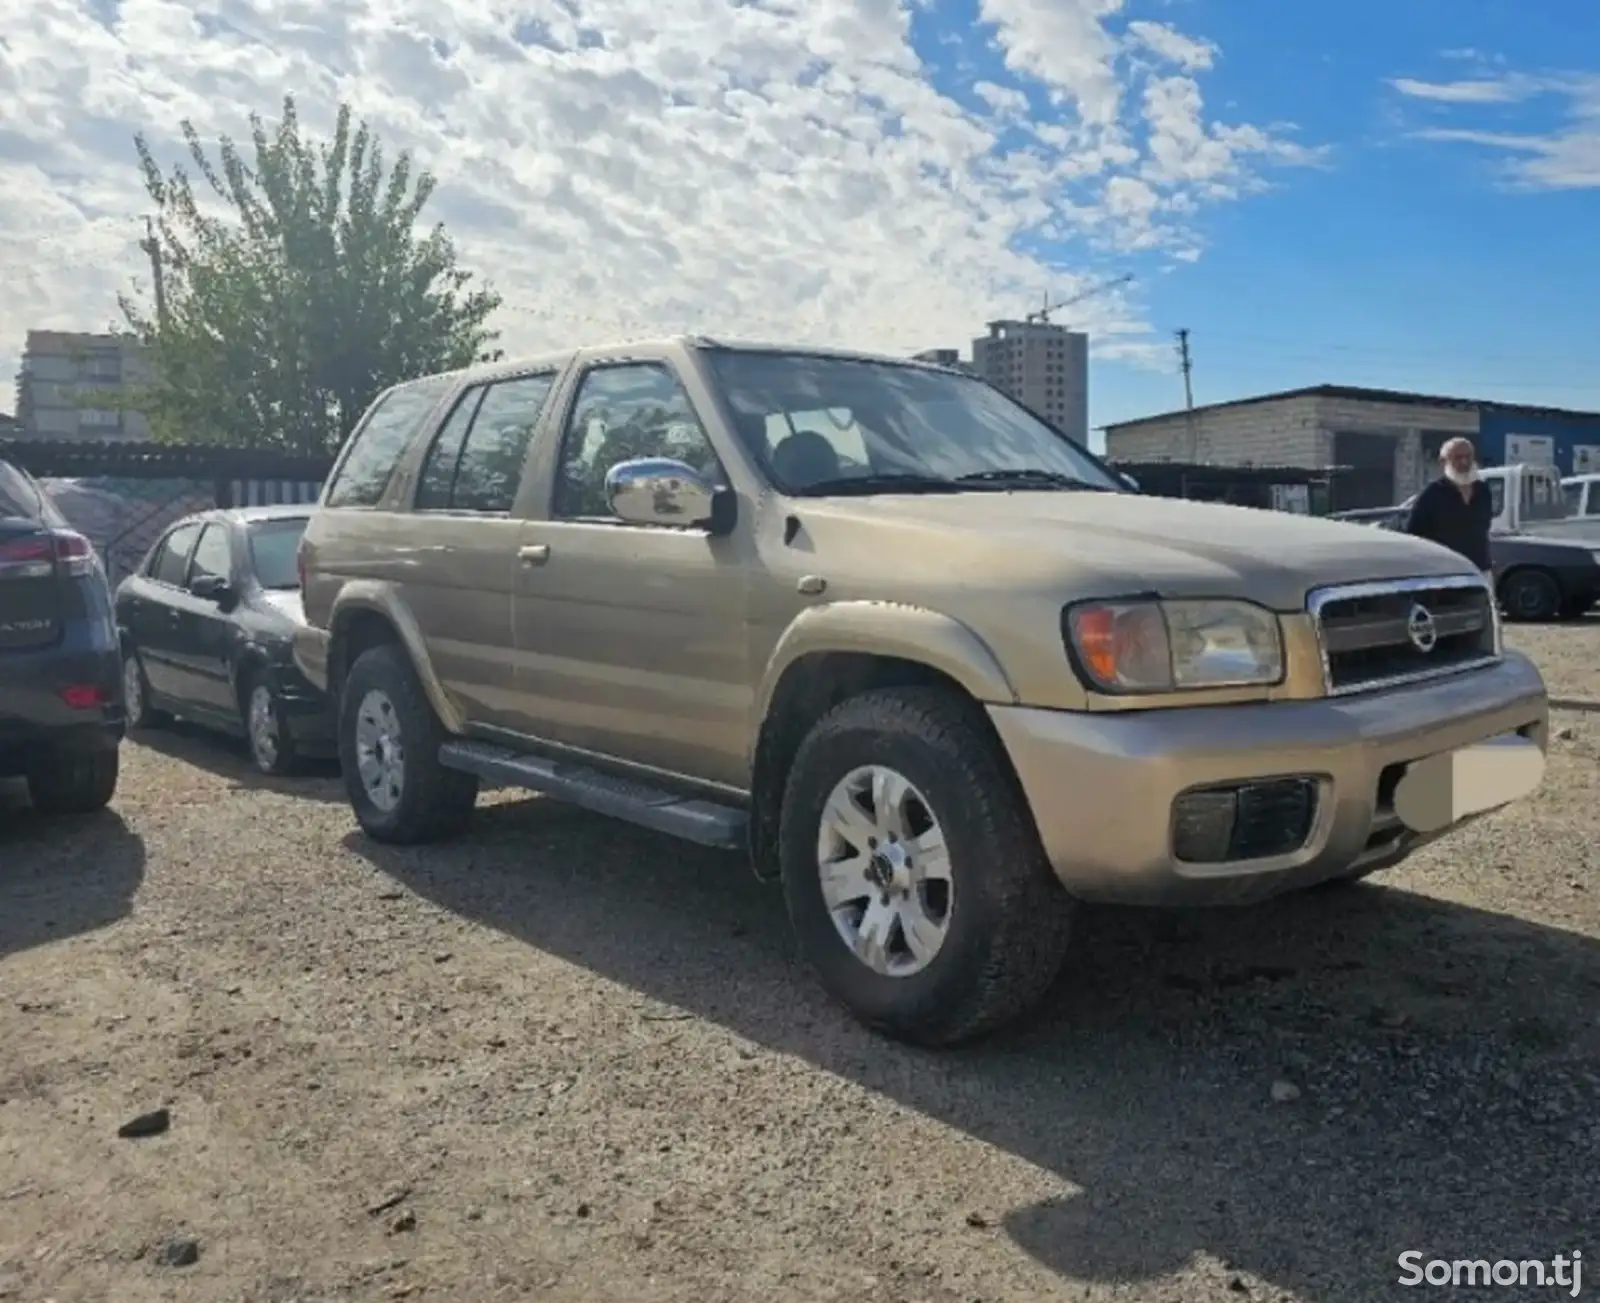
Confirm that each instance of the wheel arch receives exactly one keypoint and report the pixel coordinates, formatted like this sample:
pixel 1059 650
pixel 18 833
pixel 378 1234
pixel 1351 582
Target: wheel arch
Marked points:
pixel 814 673
pixel 370 616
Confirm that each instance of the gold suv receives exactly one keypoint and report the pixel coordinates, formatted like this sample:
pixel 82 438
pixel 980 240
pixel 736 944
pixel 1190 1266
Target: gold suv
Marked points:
pixel 918 654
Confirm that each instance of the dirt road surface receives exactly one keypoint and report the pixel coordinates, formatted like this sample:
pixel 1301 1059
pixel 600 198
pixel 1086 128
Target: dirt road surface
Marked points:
pixel 564 1060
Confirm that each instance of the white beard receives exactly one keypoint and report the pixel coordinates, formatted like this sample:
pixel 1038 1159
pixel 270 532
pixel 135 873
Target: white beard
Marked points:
pixel 1461 477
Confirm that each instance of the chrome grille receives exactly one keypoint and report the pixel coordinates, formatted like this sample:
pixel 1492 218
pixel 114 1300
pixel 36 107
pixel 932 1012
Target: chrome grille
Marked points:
pixel 1378 635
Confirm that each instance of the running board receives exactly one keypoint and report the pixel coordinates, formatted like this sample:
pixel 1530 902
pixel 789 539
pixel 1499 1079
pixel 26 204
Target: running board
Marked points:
pixel 703 822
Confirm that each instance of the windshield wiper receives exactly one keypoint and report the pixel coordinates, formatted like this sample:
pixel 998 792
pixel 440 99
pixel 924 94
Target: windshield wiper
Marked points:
pixel 1029 477
pixel 886 482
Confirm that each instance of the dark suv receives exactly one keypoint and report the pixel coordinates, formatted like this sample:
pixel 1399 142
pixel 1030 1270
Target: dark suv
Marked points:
pixel 61 716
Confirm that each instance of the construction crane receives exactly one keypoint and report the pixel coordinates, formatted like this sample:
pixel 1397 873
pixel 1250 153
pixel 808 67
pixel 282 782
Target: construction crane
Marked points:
pixel 1043 314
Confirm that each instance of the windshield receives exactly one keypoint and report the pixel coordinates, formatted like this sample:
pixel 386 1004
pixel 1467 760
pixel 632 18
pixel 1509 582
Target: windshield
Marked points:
pixel 817 423
pixel 272 552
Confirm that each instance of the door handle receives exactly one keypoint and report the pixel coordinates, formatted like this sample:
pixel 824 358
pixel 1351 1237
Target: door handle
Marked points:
pixel 535 554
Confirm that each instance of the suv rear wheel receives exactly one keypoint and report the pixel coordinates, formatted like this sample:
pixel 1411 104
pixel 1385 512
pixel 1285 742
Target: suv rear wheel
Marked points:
pixel 74 779
pixel 389 741
pixel 915 882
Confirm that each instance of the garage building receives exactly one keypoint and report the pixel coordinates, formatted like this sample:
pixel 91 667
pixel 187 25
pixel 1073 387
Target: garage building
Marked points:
pixel 1388 440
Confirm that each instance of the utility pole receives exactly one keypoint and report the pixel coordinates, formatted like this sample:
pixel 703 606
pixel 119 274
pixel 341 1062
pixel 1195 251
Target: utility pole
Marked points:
pixel 1186 363
pixel 152 248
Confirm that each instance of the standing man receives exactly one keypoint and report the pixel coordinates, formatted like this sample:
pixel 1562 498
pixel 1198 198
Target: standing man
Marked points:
pixel 1457 509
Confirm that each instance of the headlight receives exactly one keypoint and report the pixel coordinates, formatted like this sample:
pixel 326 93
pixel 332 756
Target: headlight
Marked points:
pixel 1153 646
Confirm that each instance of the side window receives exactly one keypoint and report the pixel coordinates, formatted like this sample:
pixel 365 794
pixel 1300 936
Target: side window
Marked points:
pixel 213 557
pixel 1497 495
pixel 172 566
pixel 490 466
pixel 623 412
pixel 439 469
pixel 1574 496
pixel 380 441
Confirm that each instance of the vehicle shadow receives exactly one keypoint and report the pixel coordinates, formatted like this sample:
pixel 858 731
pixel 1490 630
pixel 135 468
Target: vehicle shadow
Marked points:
pixel 1446 1059
pixel 228 757
pixel 60 877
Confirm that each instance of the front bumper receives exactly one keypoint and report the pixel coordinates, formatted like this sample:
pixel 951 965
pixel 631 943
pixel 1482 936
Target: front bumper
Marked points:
pixel 1102 786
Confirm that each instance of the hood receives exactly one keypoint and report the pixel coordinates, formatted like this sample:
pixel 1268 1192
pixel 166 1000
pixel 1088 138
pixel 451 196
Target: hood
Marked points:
pixel 1114 543
pixel 285 602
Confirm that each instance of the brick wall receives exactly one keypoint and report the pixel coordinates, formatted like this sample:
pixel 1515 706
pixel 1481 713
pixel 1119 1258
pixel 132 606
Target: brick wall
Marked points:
pixel 1279 433
pixel 1293 432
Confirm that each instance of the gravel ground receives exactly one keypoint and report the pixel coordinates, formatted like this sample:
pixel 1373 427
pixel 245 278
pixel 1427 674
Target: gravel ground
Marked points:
pixel 566 1060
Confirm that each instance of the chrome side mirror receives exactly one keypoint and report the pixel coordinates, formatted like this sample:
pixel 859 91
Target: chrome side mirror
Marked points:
pixel 664 491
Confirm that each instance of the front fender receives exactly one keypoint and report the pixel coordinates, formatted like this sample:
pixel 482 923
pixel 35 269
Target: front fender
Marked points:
pixel 911 633
pixel 374 597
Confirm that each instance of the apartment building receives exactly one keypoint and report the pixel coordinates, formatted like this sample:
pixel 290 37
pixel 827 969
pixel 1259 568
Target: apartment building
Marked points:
pixel 1043 366
pixel 75 385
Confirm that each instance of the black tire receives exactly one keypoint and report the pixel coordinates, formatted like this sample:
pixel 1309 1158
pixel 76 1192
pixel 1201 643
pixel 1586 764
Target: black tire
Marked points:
pixel 138 711
pixel 1530 596
pixel 1009 916
pixel 272 753
pixel 434 803
pixel 74 780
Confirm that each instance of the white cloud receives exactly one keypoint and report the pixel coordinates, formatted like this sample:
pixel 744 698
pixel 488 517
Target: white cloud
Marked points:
pixel 622 167
pixel 1477 90
pixel 1566 157
pixel 1172 45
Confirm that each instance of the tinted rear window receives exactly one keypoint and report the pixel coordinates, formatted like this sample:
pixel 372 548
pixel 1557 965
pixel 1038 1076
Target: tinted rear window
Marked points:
pixel 21 498
pixel 381 441
pixel 272 552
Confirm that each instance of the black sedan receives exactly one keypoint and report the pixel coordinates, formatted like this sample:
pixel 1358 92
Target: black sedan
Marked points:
pixel 206 624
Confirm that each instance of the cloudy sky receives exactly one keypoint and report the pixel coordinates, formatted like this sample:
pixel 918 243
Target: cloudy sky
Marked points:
pixel 1403 195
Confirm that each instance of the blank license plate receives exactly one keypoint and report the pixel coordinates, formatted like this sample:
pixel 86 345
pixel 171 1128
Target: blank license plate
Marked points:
pixel 1445 789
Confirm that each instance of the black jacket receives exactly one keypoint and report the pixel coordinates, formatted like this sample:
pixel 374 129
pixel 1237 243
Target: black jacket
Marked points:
pixel 1440 515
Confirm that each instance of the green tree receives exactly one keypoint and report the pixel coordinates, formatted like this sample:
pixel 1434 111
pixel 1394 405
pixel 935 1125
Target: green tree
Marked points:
pixel 285 309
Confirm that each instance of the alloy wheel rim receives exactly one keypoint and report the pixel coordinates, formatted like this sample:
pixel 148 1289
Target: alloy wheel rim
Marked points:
pixel 263 726
pixel 380 751
pixel 885 871
pixel 132 690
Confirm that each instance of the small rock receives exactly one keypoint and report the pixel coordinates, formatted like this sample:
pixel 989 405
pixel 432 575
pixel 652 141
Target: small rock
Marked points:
pixel 584 1210
pixel 406 1221
pixel 977 1221
pixel 146 1124
pixel 443 957
pixel 180 1251
pixel 1285 1092
pixel 1566 734
pixel 1238 1286
pixel 393 1199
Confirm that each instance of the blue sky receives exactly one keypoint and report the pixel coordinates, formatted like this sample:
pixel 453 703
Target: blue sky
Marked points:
pixel 1399 195
pixel 1400 262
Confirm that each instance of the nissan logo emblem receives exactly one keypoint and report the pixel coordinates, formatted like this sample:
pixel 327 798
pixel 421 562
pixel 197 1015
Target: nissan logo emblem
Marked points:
pixel 1424 634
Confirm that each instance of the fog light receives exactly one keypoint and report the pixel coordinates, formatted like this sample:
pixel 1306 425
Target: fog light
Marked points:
pixel 82 696
pixel 1244 821
pixel 1202 825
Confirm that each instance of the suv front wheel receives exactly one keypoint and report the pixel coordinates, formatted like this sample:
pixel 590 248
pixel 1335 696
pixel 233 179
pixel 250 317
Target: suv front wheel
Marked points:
pixel 914 877
pixel 389 739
